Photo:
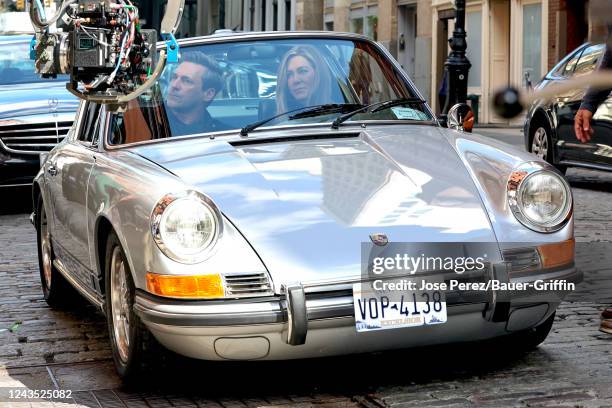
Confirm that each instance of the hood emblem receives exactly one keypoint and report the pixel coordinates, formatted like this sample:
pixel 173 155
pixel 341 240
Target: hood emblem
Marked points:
pixel 379 239
pixel 53 103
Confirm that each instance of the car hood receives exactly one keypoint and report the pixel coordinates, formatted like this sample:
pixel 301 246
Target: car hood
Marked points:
pixel 35 99
pixel 307 205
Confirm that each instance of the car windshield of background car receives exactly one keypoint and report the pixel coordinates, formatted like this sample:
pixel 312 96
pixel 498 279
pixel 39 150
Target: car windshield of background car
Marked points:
pixel 16 67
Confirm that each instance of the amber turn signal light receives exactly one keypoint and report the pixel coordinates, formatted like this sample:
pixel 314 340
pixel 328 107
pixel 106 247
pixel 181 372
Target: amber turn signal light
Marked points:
pixel 557 254
pixel 192 287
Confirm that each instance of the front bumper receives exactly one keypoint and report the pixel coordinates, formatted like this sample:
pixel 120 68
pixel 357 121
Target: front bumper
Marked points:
pixel 304 322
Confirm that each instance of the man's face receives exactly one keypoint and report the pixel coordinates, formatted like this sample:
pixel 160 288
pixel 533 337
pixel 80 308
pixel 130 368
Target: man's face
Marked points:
pixel 187 91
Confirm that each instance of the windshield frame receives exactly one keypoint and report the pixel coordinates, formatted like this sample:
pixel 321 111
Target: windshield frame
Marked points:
pixel 280 35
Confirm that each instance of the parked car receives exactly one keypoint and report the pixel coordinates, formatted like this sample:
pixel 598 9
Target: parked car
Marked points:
pixel 245 242
pixel 549 126
pixel 35 114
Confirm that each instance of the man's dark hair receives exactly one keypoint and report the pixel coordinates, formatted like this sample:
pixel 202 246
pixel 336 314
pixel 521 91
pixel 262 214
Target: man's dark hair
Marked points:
pixel 213 78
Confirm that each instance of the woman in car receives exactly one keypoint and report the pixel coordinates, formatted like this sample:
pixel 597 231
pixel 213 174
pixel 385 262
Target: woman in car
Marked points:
pixel 303 80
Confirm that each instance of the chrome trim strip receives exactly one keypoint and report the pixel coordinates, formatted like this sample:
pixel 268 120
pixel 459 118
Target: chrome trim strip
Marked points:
pixel 62 116
pixel 16 185
pixel 585 165
pixel 81 289
pixel 35 130
pixel 21 138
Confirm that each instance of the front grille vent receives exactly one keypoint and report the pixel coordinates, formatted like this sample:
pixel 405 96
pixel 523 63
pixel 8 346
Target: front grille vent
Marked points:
pixel 522 260
pixel 248 284
pixel 33 138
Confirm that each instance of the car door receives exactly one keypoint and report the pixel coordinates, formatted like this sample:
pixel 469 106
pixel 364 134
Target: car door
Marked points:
pixel 566 107
pixel 72 168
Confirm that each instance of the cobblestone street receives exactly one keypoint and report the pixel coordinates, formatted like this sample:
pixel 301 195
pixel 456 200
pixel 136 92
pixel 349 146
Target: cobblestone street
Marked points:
pixel 46 349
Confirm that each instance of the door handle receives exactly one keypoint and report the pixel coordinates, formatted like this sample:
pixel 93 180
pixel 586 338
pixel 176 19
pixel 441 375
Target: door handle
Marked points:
pixel 52 170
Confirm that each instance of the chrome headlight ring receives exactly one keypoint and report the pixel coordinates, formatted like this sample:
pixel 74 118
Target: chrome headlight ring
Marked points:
pixel 517 182
pixel 159 217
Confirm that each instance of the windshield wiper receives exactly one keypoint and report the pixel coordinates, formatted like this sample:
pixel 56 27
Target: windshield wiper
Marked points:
pixel 304 112
pixel 378 106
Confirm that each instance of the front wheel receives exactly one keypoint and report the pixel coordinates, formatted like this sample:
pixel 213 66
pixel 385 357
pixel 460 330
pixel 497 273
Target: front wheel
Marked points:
pixel 133 347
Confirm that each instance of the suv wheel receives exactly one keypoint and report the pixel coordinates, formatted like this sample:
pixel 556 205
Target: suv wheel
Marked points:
pixel 541 145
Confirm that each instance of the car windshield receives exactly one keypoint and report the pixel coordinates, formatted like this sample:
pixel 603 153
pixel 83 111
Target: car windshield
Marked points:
pixel 16 67
pixel 228 86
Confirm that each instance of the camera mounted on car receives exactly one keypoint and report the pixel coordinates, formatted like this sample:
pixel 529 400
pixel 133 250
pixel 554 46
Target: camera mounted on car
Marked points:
pixel 101 45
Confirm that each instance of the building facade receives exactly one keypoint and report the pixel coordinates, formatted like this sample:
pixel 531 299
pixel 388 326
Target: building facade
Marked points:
pixel 509 41
pixel 402 26
pixel 203 17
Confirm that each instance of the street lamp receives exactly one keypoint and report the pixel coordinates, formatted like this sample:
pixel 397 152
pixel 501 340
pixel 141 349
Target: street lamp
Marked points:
pixel 457 65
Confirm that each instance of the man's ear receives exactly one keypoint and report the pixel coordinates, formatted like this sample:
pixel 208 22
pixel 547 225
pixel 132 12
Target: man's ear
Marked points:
pixel 209 94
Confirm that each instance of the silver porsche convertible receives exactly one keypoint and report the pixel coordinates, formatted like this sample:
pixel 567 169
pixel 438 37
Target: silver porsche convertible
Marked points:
pixel 232 211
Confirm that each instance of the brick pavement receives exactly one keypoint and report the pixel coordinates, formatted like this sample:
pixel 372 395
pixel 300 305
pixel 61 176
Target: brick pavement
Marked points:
pixel 42 348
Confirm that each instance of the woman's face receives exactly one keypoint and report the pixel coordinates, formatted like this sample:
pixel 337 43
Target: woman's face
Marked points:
pixel 300 78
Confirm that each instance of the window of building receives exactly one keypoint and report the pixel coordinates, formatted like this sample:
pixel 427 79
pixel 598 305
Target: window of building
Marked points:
pixel 532 42
pixel 365 21
pixel 473 24
pixel 287 15
pixel 357 25
pixel 371 27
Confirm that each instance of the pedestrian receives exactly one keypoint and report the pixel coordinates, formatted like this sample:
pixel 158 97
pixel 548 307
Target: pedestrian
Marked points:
pixel 584 132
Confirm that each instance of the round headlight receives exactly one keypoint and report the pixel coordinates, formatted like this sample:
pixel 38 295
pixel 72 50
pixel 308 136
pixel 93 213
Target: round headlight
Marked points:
pixel 186 227
pixel 540 200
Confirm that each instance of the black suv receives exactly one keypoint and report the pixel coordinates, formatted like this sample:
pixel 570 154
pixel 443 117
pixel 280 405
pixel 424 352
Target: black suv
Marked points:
pixel 549 128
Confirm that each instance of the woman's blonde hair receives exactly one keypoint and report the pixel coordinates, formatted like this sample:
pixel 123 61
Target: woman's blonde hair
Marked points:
pixel 321 93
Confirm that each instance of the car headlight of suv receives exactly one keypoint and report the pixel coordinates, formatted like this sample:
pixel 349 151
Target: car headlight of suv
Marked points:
pixel 539 198
pixel 186 226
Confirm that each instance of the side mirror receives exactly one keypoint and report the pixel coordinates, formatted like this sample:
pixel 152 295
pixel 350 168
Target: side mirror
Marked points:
pixel 461 117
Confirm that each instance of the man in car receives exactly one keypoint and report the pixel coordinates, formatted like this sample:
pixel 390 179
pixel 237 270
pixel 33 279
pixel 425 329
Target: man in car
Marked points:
pixel 194 84
pixel 584 131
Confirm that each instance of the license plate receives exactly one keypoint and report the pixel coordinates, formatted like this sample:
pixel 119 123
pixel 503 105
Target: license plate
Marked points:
pixel 377 310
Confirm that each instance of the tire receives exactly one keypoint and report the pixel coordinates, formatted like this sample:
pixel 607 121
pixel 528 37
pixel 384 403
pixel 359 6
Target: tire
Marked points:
pixel 531 338
pixel 135 351
pixel 541 144
pixel 57 291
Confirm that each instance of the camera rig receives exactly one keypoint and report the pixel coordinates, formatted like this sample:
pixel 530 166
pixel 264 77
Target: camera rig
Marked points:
pixel 101 45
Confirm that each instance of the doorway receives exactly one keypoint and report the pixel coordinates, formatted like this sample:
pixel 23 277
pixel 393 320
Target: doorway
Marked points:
pixel 499 65
pixel 406 26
